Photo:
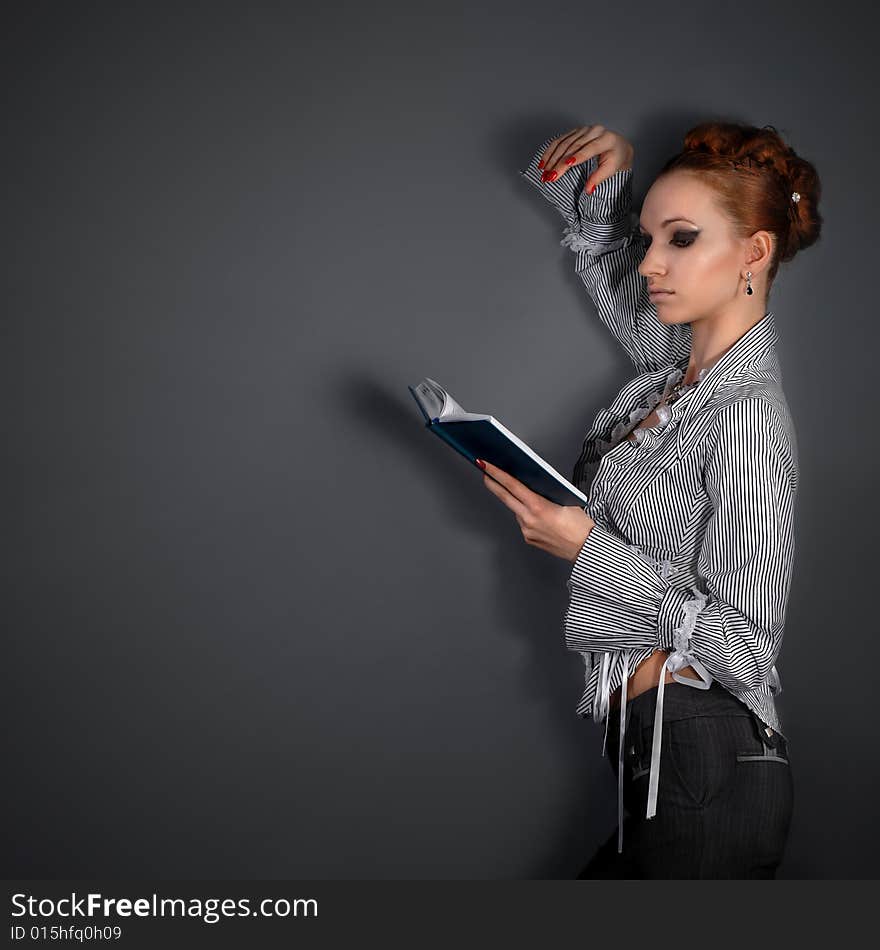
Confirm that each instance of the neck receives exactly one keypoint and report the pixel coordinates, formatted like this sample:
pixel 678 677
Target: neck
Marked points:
pixel 712 337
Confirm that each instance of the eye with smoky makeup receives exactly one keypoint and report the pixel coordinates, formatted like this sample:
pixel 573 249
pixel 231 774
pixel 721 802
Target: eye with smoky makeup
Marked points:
pixel 679 239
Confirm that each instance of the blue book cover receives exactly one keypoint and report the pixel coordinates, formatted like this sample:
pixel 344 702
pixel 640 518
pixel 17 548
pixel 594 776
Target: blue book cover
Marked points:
pixel 476 435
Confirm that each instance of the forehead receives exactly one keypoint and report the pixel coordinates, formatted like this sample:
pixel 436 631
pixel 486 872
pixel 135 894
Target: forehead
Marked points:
pixel 679 194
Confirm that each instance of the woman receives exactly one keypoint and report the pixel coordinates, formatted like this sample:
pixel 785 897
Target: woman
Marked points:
pixel 683 557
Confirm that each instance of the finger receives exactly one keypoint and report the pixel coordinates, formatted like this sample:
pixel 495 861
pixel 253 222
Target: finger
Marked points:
pixel 551 149
pixel 578 148
pixel 560 147
pixel 583 150
pixel 513 485
pixel 512 502
pixel 558 150
pixel 608 164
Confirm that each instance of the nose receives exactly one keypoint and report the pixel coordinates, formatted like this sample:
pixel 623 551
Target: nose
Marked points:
pixel 651 265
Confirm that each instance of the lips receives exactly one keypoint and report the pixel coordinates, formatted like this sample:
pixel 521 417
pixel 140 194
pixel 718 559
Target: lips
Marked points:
pixel 660 293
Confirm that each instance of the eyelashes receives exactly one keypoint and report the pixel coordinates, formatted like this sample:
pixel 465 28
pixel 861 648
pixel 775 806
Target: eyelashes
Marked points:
pixel 677 241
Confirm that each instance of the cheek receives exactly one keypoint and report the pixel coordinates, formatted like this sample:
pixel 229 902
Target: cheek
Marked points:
pixel 709 266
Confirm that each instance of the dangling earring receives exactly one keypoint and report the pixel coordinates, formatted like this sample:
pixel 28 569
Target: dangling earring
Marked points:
pixel 749 282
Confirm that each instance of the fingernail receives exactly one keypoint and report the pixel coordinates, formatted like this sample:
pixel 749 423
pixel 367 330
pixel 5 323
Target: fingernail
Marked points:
pixel 540 164
pixel 481 463
pixel 570 160
pixel 592 188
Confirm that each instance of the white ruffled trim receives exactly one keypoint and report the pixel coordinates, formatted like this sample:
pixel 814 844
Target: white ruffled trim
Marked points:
pixel 681 635
pixel 664 568
pixel 576 242
pixel 623 428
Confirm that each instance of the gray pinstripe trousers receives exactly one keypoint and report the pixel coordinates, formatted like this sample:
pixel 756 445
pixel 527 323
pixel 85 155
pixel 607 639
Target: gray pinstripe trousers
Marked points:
pixel 725 795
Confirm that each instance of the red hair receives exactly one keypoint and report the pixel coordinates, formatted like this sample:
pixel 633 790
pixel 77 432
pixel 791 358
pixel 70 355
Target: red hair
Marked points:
pixel 754 173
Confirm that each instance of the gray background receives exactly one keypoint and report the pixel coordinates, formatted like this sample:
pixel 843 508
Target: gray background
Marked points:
pixel 260 623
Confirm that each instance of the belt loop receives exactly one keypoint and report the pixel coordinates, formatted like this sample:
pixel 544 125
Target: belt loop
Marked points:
pixel 769 737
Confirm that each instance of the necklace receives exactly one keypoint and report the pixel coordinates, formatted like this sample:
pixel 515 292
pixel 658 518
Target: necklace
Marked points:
pixel 680 388
pixel 635 433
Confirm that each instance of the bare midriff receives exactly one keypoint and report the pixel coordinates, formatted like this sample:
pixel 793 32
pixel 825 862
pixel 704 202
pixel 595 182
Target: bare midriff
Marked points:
pixel 647 676
pixel 647 673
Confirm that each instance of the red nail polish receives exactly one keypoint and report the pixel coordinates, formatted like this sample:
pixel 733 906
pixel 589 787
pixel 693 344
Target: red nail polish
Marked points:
pixel 592 188
pixel 554 175
pixel 481 463
pixel 570 160
pixel 540 164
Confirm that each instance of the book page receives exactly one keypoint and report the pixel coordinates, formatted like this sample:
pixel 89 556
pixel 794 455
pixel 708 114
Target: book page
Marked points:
pixel 430 396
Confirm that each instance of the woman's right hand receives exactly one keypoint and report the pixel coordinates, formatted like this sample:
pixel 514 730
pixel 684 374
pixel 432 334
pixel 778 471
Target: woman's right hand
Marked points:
pixel 614 151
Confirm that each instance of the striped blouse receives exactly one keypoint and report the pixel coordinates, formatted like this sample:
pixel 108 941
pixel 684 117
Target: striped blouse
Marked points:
pixel 693 545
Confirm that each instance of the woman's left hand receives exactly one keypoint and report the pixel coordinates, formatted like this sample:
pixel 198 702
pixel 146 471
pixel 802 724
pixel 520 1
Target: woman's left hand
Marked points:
pixel 560 530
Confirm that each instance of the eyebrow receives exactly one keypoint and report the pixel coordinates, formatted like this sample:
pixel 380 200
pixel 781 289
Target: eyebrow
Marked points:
pixel 670 220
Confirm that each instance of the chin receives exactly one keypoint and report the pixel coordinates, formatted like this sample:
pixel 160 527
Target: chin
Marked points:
pixel 672 315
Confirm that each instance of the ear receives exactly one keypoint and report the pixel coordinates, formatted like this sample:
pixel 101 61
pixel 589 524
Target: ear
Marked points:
pixel 759 251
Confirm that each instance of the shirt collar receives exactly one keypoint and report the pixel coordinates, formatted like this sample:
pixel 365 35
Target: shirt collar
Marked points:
pixel 737 360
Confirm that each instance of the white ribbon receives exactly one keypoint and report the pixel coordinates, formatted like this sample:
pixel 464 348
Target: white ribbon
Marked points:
pixel 620 752
pixel 601 708
pixel 680 658
pixel 600 703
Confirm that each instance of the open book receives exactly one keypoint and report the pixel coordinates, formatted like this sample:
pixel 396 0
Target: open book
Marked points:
pixel 477 436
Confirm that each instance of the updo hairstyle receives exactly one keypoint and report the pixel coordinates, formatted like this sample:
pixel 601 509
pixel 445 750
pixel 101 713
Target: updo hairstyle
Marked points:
pixel 754 173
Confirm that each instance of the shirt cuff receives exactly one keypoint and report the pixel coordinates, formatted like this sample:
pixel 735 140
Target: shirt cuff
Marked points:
pixel 605 215
pixel 670 616
pixel 618 597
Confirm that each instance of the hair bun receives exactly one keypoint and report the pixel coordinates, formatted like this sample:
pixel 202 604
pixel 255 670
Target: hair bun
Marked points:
pixel 756 172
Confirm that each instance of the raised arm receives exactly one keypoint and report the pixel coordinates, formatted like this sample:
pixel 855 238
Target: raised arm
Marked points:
pixel 734 628
pixel 602 232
